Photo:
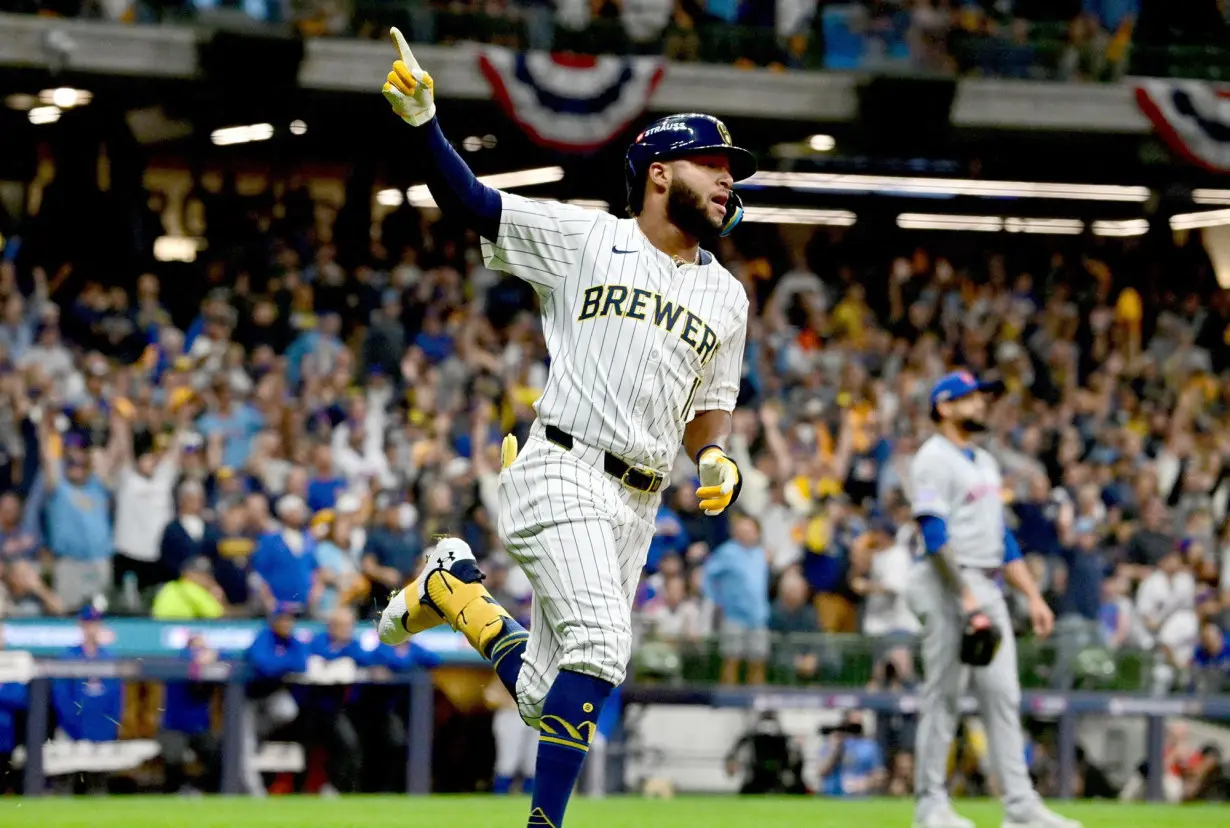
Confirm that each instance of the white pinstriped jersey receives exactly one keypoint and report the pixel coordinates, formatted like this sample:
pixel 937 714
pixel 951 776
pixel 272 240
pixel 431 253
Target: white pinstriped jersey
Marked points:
pixel 637 344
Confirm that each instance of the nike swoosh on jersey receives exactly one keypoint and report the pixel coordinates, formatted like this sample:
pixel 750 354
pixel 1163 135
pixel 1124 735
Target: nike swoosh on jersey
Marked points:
pixel 615 249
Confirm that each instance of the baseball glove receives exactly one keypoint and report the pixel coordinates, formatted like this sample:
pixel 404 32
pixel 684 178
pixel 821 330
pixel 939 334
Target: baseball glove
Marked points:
pixel 980 639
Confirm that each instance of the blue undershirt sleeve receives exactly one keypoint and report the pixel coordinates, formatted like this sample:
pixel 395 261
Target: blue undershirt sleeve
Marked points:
pixel 1012 549
pixel 934 532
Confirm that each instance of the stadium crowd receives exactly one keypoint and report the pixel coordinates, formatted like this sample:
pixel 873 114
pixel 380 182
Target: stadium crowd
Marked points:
pixel 292 442
pixel 1073 40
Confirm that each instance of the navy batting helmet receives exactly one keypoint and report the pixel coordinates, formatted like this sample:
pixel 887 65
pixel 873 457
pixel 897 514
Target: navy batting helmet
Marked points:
pixel 687 134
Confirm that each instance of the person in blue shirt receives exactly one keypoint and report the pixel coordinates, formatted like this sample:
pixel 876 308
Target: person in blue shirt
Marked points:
pixel 275 654
pixel 14 699
pixel 383 715
pixel 1212 660
pixel 328 721
pixel 736 579
pixel 850 763
pixel 325 484
pixel 392 552
pixel 234 423
pixel 88 709
pixel 186 724
pixel 78 518
pixel 670 538
pixel 1080 608
pixel 285 560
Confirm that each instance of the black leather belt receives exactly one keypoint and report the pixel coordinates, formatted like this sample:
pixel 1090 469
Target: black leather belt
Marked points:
pixel 643 480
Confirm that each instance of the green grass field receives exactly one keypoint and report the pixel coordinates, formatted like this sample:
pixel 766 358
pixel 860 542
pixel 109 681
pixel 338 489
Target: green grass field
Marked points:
pixel 489 812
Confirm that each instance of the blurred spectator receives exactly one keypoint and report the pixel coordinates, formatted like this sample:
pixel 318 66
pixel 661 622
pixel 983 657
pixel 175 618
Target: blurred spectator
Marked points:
pixel 194 596
pixel 231 543
pixel 337 567
pixel 21 564
pixel 1152 541
pixel 88 709
pixel 1166 602
pixel 145 480
pixel 275 654
pixel 285 559
pixel 186 726
pixel 1212 660
pixel 229 424
pixel 187 536
pixel 1077 626
pixel 385 706
pixel 674 616
pixel 850 761
pixel 885 610
pixel 328 721
pixel 14 698
pixel 793 615
pixel 1205 778
pixel 737 581
pixel 391 556
pixel 79 531
pixel 516 743
pixel 769 759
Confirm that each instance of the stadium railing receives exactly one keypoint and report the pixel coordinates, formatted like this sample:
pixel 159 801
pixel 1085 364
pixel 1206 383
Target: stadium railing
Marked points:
pixel 851 661
pixel 233 677
pixel 1063 708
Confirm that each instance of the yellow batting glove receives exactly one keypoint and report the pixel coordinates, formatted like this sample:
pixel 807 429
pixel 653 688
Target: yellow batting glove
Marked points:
pixel 409 89
pixel 508 451
pixel 719 480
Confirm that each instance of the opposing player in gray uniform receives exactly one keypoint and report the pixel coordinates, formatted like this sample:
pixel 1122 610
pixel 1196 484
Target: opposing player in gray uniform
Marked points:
pixel 955 586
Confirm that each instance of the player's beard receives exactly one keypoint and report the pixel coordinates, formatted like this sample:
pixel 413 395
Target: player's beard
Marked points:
pixel 971 426
pixel 689 211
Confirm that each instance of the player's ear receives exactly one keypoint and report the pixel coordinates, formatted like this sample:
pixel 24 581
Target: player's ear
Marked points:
pixel 660 175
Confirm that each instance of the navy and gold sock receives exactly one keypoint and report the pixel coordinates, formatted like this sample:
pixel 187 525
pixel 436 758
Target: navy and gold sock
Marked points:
pixel 569 720
pixel 505 653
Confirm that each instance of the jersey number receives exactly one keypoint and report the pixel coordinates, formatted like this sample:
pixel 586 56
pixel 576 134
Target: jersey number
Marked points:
pixel 687 406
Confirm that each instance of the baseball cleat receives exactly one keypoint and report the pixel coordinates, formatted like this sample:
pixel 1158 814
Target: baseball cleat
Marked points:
pixel 400 620
pixel 1042 818
pixel 944 818
pixel 452 586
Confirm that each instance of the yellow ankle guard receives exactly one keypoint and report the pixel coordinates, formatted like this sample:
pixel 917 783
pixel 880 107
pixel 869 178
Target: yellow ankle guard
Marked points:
pixel 467 606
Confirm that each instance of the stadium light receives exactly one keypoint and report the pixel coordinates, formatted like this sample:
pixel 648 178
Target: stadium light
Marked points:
pixel 241 134
pixel 799 215
pixel 176 248
pixel 389 198
pixel 990 224
pixel 420 196
pixel 20 101
pixel 1120 229
pixel 822 143
pixel 1193 221
pixel 1205 196
pixel 947 187
pixel 1044 226
pixel 44 114
pixel 65 97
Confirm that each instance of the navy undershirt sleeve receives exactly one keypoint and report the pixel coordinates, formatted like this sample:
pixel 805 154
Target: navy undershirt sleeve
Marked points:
pixel 458 193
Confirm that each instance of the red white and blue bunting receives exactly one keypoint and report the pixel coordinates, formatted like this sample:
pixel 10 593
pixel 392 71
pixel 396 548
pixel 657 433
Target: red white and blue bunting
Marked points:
pixel 1192 117
pixel 573 103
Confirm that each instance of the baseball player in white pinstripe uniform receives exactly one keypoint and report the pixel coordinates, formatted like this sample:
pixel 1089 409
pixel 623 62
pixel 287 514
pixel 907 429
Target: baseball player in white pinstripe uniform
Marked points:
pixel 967 631
pixel 645 331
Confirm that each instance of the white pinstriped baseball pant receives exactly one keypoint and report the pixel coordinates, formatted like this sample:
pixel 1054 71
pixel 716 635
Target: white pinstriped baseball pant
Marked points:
pixel 581 538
